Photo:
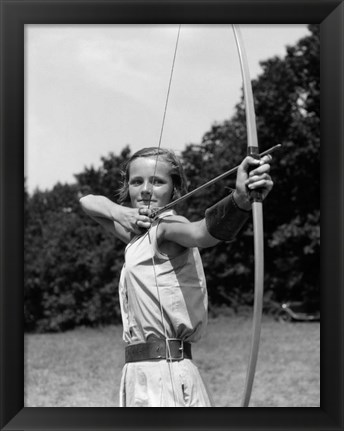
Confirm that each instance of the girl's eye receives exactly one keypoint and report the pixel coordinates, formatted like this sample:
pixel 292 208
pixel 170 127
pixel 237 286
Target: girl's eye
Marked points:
pixel 135 182
pixel 157 181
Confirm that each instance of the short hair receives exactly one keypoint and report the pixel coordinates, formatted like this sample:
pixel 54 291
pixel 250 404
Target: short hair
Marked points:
pixel 168 156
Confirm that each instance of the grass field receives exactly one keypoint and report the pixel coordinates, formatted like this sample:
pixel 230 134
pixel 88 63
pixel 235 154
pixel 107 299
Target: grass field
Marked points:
pixel 82 368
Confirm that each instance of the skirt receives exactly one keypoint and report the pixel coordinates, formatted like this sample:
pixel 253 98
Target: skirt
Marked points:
pixel 163 384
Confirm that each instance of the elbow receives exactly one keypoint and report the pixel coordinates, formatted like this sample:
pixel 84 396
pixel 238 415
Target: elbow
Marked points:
pixel 86 198
pixel 85 201
pixel 207 242
pixel 203 238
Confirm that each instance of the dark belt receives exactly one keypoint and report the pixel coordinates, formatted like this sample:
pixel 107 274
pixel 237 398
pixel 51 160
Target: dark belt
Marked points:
pixel 157 349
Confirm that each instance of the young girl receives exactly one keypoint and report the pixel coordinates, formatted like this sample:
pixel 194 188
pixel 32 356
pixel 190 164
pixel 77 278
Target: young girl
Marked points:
pixel 162 288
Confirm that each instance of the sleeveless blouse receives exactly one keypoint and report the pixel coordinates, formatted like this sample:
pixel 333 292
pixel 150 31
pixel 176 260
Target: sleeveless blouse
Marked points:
pixel 160 296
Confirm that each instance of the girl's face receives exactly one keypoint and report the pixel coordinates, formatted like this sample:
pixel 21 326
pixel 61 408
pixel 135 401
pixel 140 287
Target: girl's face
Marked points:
pixel 145 187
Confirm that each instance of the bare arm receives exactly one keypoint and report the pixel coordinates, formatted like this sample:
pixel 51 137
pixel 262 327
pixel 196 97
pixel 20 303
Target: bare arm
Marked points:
pixel 196 234
pixel 185 233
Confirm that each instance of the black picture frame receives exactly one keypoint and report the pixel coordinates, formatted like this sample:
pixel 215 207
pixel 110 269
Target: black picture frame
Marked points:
pixel 14 15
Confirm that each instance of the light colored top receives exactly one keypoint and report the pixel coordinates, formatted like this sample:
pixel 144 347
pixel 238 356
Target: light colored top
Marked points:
pixel 174 288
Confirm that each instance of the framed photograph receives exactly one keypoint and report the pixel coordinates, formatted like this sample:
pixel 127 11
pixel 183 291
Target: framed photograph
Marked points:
pixel 15 15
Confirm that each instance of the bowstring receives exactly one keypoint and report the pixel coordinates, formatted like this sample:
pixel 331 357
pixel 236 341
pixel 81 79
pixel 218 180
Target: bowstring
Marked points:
pixel 168 355
pixel 166 102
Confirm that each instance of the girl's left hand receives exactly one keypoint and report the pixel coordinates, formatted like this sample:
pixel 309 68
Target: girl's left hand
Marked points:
pixel 252 174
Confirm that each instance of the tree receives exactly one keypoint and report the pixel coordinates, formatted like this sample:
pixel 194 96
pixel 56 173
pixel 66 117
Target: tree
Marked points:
pixel 295 267
pixel 287 108
pixel 72 266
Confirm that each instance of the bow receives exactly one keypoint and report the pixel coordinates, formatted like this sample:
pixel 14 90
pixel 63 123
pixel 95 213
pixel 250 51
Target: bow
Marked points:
pixel 257 213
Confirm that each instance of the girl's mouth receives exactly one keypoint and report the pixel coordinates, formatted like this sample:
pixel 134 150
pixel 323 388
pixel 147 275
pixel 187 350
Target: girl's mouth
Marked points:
pixel 146 201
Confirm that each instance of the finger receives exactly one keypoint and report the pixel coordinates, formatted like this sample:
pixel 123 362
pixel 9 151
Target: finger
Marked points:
pixel 266 159
pixel 146 211
pixel 146 223
pixel 264 183
pixel 249 162
pixel 143 210
pixel 254 178
pixel 258 177
pixel 144 219
pixel 262 169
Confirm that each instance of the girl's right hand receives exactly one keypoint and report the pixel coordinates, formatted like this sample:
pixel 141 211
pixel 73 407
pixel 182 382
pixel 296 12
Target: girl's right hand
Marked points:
pixel 136 220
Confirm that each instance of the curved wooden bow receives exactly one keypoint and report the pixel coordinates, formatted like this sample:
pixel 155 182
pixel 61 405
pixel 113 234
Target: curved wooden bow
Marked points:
pixel 257 212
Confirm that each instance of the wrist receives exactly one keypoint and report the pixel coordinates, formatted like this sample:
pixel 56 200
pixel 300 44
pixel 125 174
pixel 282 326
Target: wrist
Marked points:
pixel 116 212
pixel 241 201
pixel 225 219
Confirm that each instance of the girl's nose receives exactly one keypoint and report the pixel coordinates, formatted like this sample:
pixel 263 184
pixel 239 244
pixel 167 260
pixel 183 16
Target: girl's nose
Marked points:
pixel 146 190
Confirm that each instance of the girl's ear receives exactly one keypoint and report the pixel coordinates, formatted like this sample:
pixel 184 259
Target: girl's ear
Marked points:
pixel 175 193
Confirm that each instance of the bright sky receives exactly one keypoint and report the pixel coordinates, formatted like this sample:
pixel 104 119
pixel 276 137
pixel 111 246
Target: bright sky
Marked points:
pixel 92 89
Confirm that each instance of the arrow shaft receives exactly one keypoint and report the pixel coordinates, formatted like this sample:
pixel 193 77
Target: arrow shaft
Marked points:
pixel 209 183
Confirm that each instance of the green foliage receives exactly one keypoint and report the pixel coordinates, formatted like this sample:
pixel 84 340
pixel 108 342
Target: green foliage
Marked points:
pixel 72 266
pixel 71 270
pixel 287 98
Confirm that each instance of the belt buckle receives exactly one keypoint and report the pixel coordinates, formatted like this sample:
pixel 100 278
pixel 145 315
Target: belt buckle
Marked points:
pixel 169 356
